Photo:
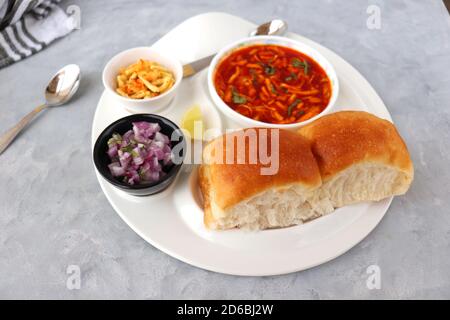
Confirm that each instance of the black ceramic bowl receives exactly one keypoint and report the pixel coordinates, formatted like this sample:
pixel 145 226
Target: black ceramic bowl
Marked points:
pixel 101 158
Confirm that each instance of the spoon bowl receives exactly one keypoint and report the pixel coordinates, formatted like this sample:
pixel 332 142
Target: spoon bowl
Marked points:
pixel 59 90
pixel 276 27
pixel 63 85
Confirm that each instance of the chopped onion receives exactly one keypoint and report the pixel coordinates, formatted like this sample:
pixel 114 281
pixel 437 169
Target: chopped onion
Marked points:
pixel 140 155
pixel 112 152
pixel 125 159
pixel 161 137
pixel 116 169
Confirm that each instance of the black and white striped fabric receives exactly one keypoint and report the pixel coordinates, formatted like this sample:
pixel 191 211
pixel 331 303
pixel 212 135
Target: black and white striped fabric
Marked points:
pixel 28 26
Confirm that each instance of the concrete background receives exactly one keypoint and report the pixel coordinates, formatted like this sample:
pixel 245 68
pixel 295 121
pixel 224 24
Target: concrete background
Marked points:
pixel 53 213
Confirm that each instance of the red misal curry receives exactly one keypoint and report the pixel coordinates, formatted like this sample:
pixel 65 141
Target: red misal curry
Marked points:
pixel 272 84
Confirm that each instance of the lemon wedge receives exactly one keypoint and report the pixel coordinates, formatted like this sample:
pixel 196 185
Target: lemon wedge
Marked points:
pixel 192 122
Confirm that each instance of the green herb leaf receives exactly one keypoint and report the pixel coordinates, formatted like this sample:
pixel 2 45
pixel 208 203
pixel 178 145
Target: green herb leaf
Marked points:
pixel 272 88
pixel 134 154
pixel 141 174
pixel 296 63
pixel 117 136
pixel 301 64
pixel 292 76
pixel 292 106
pixel 269 70
pixel 306 66
pixel 116 139
pixel 237 98
pixel 127 148
pixel 253 74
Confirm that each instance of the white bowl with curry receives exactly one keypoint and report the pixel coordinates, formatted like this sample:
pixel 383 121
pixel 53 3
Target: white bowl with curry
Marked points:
pixel 270 81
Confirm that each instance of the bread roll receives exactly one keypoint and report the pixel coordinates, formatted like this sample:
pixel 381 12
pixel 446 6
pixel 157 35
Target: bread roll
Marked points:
pixel 339 159
pixel 238 195
pixel 360 156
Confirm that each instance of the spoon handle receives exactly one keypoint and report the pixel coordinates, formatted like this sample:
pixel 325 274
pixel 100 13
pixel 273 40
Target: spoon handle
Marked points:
pixel 7 137
pixel 195 66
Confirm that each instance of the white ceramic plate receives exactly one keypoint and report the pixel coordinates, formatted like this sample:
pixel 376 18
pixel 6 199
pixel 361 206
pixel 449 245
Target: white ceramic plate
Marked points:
pixel 172 220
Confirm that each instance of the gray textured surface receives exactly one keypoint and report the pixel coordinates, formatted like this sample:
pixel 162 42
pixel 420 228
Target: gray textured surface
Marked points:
pixel 53 213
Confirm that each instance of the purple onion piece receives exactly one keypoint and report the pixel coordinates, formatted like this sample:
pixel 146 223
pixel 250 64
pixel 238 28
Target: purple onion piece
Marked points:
pixel 140 154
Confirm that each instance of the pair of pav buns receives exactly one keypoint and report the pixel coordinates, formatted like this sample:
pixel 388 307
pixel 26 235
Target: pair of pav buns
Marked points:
pixel 339 159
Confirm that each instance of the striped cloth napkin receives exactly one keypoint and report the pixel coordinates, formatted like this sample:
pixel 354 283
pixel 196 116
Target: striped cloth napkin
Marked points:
pixel 28 26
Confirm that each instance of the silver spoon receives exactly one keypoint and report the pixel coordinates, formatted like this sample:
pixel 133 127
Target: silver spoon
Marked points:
pixel 274 27
pixel 59 90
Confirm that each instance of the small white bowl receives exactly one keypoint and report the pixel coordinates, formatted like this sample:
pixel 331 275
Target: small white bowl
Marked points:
pixel 130 56
pixel 281 41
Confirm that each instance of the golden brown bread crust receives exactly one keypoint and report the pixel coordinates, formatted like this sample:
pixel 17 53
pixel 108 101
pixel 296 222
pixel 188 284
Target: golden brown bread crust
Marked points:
pixel 205 187
pixel 341 139
pixel 229 184
pixel 317 152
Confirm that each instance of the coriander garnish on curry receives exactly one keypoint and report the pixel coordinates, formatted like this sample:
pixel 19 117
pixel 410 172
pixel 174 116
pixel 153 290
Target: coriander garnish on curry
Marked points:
pixel 272 84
